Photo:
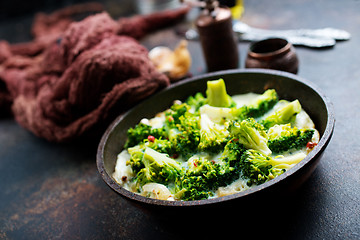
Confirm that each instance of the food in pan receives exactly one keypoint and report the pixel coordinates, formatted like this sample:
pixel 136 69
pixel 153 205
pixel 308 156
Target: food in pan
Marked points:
pixel 214 145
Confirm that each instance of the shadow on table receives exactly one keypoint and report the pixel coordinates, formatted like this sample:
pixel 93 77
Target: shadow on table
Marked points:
pixel 274 217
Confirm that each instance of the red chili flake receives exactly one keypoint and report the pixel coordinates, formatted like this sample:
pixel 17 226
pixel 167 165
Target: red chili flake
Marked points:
pixel 175 155
pixel 311 145
pixel 213 161
pixel 170 119
pixel 195 163
pixel 151 138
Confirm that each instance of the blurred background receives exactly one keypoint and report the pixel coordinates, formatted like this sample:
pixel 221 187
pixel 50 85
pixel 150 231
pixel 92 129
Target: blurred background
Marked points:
pixel 16 16
pixel 16 8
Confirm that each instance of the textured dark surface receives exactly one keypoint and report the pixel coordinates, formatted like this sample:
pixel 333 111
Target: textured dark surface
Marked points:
pixel 52 191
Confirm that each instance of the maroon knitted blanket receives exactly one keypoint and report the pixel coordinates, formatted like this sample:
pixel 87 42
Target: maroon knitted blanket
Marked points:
pixel 76 75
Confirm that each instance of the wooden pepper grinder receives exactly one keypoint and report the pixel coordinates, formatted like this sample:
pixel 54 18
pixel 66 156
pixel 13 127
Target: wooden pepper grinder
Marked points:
pixel 217 38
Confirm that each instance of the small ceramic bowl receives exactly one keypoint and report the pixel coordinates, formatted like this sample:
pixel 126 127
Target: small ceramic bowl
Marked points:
pixel 272 53
pixel 288 86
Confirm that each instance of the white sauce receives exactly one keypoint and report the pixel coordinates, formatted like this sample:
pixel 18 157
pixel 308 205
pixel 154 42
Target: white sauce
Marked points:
pixel 123 173
pixel 235 187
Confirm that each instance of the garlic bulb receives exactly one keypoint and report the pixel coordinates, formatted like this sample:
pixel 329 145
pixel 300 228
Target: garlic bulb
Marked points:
pixel 175 64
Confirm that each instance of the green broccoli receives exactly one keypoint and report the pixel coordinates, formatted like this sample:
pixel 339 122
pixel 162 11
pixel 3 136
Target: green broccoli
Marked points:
pixel 161 145
pixel 233 151
pixel 263 103
pixel 173 114
pixel 285 114
pixel 159 168
pixel 137 152
pixel 141 131
pixel 259 106
pixel 183 129
pixel 259 168
pixel 196 101
pixel 200 179
pixel 251 134
pixel 219 115
pixel 203 176
pixel 136 155
pixel 283 138
pixel 230 161
pixel 216 94
pixel 213 136
pixel 221 142
pixel 185 137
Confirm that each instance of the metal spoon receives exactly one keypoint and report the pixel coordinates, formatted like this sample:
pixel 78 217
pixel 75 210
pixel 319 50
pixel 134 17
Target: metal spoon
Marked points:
pixel 325 37
pixel 315 38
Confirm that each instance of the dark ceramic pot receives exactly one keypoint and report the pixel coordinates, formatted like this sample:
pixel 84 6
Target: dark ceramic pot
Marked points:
pixel 287 85
pixel 273 53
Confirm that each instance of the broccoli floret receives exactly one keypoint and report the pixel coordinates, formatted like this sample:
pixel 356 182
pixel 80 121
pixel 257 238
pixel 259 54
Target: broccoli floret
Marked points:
pixel 203 177
pixel 218 114
pixel 255 166
pixel 263 103
pixel 216 94
pixel 260 105
pixel 283 138
pixel 194 188
pixel 285 114
pixel 233 151
pixel 137 152
pixel 230 161
pixel 159 168
pixel 196 101
pixel 185 137
pixel 141 131
pixel 200 179
pixel 259 168
pixel 172 115
pixel 161 145
pixel 213 136
pixel 251 134
pixel 183 129
pixel 136 155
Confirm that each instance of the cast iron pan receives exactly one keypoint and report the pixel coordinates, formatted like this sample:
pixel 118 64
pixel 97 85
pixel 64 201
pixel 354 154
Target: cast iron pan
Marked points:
pixel 287 85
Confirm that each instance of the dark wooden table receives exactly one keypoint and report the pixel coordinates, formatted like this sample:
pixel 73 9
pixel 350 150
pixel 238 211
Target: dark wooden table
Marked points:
pixel 53 191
